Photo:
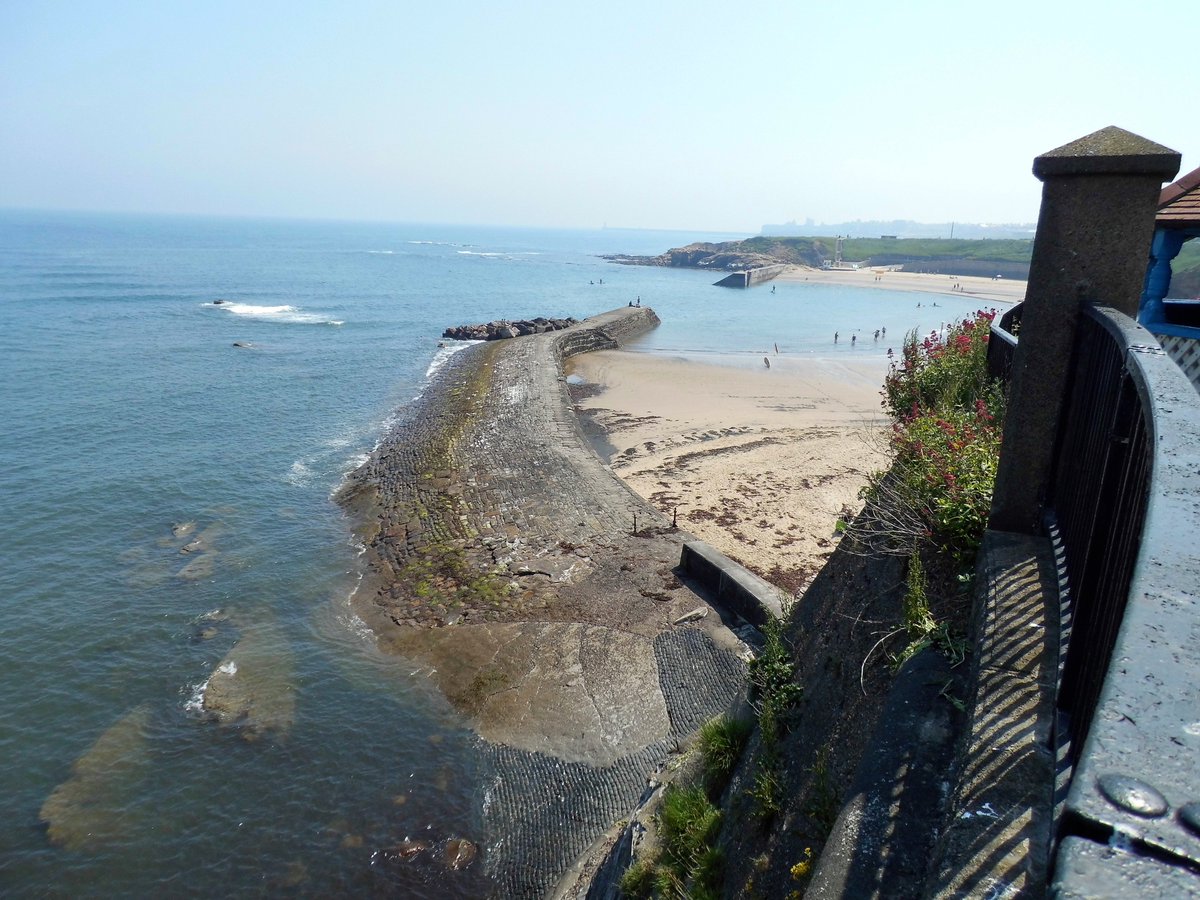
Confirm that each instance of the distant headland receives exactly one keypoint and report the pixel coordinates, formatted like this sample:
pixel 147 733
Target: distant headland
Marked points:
pixel 1008 258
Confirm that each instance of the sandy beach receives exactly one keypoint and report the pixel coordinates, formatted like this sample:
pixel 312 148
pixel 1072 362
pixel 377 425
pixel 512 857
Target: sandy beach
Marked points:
pixel 1003 290
pixel 760 463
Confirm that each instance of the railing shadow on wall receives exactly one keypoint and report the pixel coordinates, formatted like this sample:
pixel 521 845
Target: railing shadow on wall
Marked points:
pixel 1123 505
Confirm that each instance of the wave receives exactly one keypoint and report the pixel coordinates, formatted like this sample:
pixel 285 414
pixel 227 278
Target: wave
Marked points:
pixel 300 474
pixel 195 701
pixel 282 313
pixel 384 252
pixel 446 350
pixel 509 255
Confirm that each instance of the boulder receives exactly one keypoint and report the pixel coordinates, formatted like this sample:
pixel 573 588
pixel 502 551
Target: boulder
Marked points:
pixel 501 329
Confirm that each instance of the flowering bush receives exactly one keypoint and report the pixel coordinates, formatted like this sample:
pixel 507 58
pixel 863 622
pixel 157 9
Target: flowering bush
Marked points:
pixel 940 373
pixel 948 416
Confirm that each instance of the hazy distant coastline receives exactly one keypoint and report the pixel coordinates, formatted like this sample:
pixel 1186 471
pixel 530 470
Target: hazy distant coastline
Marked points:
pixel 904 228
pixel 1007 258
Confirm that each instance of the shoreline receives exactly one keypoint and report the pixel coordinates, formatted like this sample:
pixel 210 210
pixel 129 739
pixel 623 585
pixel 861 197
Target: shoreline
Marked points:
pixel 994 290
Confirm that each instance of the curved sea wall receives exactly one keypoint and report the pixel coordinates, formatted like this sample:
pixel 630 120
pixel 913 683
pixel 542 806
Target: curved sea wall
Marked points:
pixel 503 556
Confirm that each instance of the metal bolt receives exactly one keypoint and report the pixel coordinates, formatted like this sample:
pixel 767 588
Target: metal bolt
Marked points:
pixel 1132 795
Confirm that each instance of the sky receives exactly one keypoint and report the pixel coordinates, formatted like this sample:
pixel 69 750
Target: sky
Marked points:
pixel 676 115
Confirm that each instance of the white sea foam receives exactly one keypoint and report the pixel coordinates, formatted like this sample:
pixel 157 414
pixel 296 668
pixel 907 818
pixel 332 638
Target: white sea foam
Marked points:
pixel 490 254
pixel 444 352
pixel 299 475
pixel 382 252
pixel 229 668
pixel 280 313
pixel 195 702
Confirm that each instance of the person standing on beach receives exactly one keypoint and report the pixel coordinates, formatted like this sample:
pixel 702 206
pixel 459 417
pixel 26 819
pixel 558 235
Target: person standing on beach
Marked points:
pixel 835 334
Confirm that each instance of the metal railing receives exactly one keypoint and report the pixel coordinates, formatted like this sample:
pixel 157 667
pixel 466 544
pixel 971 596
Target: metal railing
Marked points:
pixel 1098 503
pixel 1002 342
pixel 1124 503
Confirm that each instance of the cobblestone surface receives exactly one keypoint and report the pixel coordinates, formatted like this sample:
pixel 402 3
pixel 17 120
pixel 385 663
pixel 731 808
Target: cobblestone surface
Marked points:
pixel 539 592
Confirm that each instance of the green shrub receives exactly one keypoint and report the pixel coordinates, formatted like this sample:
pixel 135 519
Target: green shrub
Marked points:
pixel 767 791
pixel 773 674
pixel 639 879
pixel 688 825
pixel 946 437
pixel 918 620
pixel 721 742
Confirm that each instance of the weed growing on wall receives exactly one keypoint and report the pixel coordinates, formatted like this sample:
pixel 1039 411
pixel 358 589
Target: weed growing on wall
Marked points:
pixel 776 693
pixel 948 416
pixel 722 740
pixel 689 865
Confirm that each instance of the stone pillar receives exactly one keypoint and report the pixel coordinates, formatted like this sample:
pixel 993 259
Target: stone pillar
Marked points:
pixel 1099 197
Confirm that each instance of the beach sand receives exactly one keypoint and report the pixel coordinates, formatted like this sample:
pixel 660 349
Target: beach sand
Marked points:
pixel 760 463
pixel 1003 290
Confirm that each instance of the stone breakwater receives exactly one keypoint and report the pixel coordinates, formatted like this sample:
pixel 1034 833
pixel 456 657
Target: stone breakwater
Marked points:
pixel 501 329
pixel 503 556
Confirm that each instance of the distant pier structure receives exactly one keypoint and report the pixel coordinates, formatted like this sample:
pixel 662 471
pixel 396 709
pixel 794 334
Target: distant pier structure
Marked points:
pixel 749 277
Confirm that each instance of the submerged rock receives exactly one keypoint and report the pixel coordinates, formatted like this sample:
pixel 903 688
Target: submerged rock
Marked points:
pixel 251 688
pixel 409 849
pixel 459 853
pixel 88 809
pixel 199 568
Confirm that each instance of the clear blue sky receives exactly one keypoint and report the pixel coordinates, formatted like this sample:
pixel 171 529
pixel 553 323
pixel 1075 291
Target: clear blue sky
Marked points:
pixel 691 115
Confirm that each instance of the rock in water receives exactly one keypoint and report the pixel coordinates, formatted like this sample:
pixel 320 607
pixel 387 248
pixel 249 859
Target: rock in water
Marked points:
pixel 410 849
pixel 89 808
pixel 251 688
pixel 459 854
pixel 502 328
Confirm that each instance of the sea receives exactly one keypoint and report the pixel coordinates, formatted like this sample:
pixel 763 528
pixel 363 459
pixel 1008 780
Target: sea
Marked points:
pixel 167 468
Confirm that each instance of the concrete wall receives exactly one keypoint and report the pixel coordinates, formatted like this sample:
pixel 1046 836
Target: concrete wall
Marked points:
pixel 750 277
pixel 606 331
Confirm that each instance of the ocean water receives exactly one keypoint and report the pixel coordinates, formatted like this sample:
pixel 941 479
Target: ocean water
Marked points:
pixel 132 426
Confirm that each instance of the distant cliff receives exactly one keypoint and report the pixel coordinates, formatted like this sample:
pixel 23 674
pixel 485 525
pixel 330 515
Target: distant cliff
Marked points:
pixel 1009 258
pixel 733 255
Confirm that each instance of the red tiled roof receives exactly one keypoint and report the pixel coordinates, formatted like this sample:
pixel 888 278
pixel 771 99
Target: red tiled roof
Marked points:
pixel 1179 203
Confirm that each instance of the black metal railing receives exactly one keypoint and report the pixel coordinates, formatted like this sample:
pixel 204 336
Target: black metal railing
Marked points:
pixel 1098 502
pixel 1002 343
pixel 1126 496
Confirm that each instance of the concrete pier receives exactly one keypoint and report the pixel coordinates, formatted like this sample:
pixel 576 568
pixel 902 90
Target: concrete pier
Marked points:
pixel 750 277
pixel 506 559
